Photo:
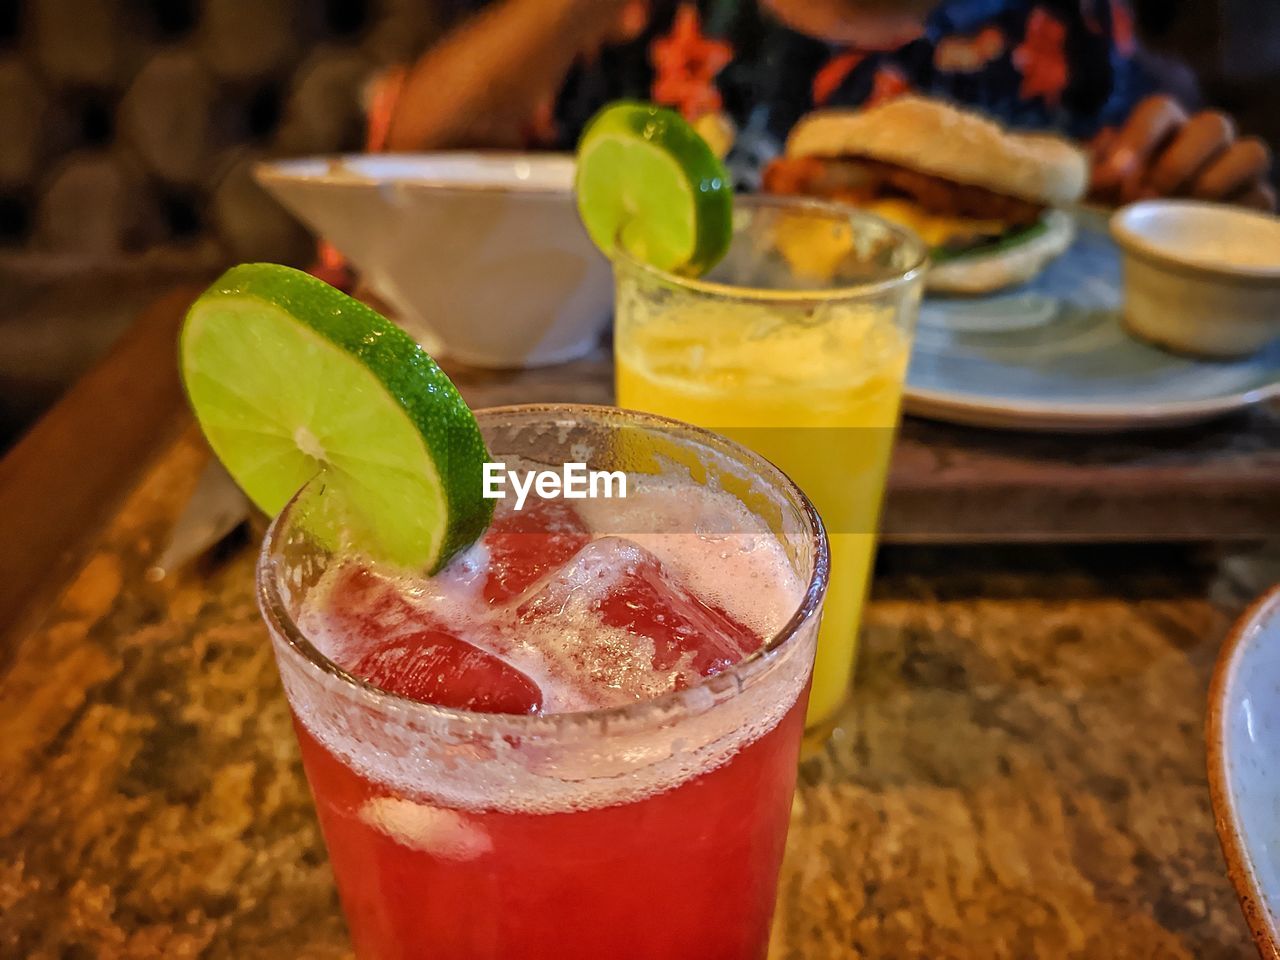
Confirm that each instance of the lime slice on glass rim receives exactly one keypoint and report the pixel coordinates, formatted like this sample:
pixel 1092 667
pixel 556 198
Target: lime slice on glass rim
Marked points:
pixel 292 380
pixel 647 181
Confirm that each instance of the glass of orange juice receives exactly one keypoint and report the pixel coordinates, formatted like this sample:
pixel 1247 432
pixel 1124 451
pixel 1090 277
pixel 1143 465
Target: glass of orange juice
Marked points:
pixel 796 345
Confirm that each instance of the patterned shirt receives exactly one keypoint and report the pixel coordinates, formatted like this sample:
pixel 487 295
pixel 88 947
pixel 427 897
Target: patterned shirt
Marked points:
pixel 1049 64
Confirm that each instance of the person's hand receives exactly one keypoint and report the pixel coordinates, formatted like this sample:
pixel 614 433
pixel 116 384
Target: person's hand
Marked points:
pixel 490 82
pixel 1162 152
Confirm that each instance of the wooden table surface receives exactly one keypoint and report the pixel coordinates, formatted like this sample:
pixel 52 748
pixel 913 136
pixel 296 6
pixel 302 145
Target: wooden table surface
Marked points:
pixel 1020 773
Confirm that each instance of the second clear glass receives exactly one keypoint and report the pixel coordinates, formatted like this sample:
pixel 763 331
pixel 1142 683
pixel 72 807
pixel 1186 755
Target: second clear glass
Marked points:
pixel 651 830
pixel 795 345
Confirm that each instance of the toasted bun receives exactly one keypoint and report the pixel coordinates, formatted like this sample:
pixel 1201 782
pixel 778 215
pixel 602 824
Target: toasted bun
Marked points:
pixel 939 139
pixel 984 272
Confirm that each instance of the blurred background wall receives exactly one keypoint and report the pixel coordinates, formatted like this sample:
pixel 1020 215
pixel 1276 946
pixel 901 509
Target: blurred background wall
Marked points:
pixel 130 125
pixel 127 132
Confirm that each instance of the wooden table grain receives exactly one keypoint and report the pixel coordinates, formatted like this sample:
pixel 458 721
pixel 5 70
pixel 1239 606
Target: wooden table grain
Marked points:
pixel 1019 775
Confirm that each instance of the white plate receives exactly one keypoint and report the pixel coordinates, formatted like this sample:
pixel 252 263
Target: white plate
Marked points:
pixel 1053 355
pixel 1243 738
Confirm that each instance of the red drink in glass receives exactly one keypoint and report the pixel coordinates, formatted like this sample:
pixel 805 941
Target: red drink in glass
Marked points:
pixel 578 741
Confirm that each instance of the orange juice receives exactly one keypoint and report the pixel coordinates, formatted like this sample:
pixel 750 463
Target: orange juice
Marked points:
pixel 833 438
pixel 810 379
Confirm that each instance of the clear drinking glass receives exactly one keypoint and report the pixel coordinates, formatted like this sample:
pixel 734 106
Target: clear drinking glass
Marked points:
pixel 796 346
pixel 649 831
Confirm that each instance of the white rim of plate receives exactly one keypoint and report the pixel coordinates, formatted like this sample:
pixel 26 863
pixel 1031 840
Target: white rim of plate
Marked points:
pixel 1257 905
pixel 944 405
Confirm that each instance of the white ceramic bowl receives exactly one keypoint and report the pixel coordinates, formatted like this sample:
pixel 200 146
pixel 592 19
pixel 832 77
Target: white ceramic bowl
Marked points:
pixel 1243 738
pixel 481 256
pixel 1200 278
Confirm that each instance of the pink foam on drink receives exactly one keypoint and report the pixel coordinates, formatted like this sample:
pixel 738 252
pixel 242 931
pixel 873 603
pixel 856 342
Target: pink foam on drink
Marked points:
pixel 693 585
pixel 363 605
pixel 615 585
pixel 544 615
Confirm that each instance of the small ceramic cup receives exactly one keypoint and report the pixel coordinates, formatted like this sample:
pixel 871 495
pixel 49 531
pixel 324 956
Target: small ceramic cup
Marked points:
pixel 1200 278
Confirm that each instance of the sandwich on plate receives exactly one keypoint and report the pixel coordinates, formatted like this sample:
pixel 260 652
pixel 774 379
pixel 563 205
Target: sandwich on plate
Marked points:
pixel 986 200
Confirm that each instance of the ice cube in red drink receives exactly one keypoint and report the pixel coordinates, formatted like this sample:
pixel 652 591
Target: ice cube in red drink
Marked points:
pixel 627 588
pixel 526 544
pixel 650 603
pixel 404 649
pixel 436 666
